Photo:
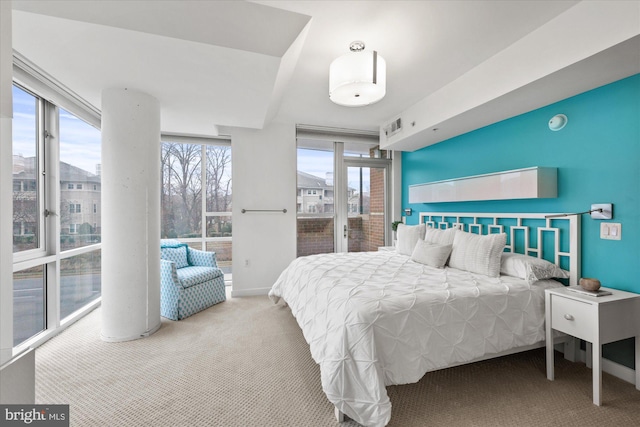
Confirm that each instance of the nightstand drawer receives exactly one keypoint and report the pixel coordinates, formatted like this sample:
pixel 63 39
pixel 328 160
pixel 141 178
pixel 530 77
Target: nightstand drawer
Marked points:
pixel 576 318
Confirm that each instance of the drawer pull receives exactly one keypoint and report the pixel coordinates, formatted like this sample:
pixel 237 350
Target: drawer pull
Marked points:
pixel 568 317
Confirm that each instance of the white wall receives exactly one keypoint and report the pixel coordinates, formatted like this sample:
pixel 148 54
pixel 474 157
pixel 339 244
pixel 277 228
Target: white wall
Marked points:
pixel 6 189
pixel 18 379
pixel 17 376
pixel 264 177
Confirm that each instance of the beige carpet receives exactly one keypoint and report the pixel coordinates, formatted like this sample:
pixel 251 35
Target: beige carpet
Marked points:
pixel 245 363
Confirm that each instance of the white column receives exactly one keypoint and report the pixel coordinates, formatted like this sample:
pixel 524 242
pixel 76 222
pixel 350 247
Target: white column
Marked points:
pixel 130 215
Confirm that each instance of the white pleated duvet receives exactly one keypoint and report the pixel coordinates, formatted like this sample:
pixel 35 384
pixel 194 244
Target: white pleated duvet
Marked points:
pixel 374 319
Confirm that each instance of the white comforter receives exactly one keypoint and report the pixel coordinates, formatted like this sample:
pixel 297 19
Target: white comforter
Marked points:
pixel 374 319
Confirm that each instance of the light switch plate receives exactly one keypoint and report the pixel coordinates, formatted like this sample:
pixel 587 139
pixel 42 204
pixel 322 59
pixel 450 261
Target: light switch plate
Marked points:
pixel 611 231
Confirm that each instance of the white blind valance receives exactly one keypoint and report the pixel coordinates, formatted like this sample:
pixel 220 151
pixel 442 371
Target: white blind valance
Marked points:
pixel 189 139
pixel 323 138
pixel 37 80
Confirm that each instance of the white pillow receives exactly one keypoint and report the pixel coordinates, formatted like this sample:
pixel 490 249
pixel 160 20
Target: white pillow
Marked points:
pixel 431 254
pixel 478 254
pixel 530 268
pixel 440 237
pixel 408 236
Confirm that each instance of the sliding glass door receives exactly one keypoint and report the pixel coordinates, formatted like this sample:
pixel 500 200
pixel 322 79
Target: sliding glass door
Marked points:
pixel 363 224
pixel 342 195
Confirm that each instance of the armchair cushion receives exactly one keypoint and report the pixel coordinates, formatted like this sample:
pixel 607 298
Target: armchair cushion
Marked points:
pixel 202 258
pixel 190 276
pixel 177 254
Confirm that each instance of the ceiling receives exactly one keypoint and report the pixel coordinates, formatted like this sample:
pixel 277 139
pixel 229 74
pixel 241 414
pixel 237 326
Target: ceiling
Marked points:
pixel 222 64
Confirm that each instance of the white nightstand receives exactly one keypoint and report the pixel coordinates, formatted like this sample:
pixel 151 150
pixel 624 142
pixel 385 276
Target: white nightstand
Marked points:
pixel 597 320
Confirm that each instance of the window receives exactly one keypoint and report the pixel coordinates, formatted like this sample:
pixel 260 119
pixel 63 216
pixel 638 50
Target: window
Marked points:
pixel 315 219
pixel 80 281
pixel 95 187
pixel 196 198
pixel 43 271
pixel 29 318
pixel 28 223
pixel 80 152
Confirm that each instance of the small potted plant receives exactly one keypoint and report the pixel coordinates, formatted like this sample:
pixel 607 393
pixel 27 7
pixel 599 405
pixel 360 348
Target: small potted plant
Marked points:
pixel 394 227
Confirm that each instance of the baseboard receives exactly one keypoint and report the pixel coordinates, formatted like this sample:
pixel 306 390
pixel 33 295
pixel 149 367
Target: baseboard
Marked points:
pixel 143 334
pixel 249 292
pixel 612 368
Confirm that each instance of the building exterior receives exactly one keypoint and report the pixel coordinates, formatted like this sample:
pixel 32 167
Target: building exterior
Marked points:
pixel 315 195
pixel 79 202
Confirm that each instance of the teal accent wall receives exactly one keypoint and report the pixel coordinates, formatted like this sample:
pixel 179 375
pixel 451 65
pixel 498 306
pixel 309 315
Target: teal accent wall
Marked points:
pixel 598 159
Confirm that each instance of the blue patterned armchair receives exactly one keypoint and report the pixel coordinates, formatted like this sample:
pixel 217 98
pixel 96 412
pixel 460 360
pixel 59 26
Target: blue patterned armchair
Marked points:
pixel 190 280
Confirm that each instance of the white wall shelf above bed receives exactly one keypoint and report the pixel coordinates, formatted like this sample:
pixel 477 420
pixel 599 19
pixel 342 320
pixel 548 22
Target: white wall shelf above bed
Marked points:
pixel 528 183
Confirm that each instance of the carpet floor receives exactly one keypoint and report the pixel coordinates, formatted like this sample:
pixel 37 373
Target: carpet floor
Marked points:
pixel 245 363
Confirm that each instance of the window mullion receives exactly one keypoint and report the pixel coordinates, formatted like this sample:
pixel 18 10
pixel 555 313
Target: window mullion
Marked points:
pixel 51 193
pixel 203 194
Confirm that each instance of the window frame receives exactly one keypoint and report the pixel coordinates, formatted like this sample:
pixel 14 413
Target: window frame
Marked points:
pixel 41 184
pixel 51 97
pixel 203 239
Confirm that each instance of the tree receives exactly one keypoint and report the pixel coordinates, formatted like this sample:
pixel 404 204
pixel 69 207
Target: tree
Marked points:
pixel 181 197
pixel 25 207
pixel 181 182
pixel 218 187
pixel 166 204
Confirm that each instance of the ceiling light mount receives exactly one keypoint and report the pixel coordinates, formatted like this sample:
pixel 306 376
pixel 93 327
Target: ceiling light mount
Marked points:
pixel 356 46
pixel 357 78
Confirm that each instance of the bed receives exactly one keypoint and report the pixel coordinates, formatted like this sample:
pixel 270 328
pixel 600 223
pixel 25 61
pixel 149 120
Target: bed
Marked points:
pixel 374 319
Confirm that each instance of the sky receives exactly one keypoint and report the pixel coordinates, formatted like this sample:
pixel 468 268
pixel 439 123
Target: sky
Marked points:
pixel 79 141
pixel 318 163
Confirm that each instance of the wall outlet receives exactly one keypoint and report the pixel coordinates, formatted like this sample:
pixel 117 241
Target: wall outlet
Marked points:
pixel 246 263
pixel 611 230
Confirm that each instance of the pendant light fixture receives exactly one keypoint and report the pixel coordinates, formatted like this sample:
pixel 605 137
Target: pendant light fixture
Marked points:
pixel 358 78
